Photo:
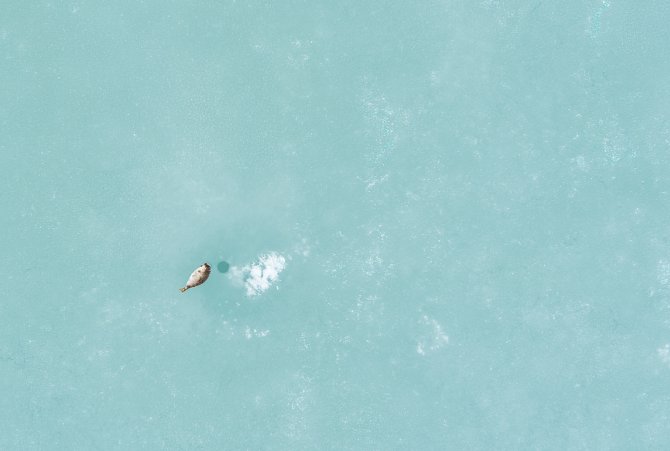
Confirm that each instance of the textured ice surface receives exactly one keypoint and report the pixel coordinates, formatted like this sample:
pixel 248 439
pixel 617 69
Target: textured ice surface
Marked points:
pixel 447 224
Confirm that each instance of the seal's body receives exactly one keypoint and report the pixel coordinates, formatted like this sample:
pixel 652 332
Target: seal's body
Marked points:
pixel 198 277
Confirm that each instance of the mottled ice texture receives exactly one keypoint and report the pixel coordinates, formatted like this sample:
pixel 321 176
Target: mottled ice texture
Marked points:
pixel 447 225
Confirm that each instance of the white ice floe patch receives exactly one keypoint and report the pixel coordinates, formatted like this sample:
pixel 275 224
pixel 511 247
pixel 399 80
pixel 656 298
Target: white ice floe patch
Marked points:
pixel 433 339
pixel 663 271
pixel 250 333
pixel 372 181
pixel 257 277
pixel 302 248
pixel 664 353
pixel 581 163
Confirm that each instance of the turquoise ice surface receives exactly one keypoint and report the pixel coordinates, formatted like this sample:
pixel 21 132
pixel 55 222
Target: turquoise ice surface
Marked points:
pixel 447 225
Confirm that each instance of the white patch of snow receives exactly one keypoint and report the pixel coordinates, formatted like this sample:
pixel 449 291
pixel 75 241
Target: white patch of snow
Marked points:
pixel 434 339
pixel 664 353
pixel 257 277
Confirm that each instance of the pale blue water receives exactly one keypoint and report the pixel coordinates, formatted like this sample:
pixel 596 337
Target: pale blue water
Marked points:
pixel 447 225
